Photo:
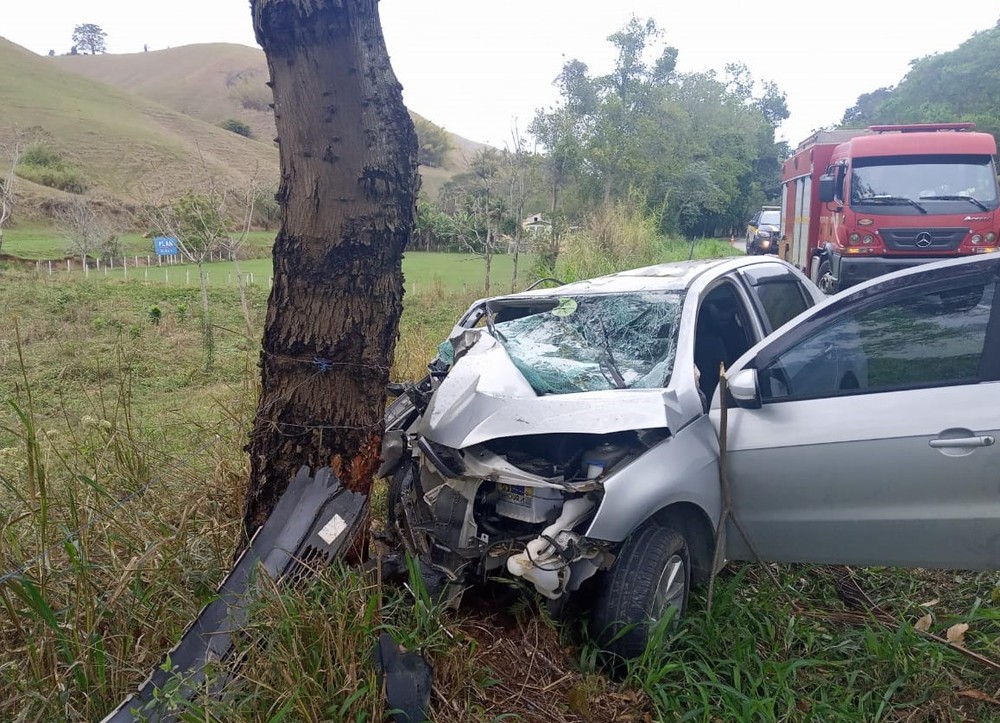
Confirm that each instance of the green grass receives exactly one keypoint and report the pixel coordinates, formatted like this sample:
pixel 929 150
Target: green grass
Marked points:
pixel 43 243
pixel 110 427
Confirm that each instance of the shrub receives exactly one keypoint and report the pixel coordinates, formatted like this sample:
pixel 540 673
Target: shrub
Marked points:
pixel 236 126
pixel 46 167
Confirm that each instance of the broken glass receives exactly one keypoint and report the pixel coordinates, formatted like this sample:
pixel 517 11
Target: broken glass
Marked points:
pixel 590 343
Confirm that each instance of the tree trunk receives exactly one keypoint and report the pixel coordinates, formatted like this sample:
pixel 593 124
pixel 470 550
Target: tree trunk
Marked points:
pixel 348 190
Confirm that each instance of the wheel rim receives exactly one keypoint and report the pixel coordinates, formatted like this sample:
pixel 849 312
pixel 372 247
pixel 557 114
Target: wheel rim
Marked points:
pixel 825 277
pixel 670 588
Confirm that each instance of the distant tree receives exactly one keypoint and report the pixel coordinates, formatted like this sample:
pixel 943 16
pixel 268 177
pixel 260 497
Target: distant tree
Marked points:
pixel 10 154
pixel 89 232
pixel 236 126
pixel 52 53
pixel 90 37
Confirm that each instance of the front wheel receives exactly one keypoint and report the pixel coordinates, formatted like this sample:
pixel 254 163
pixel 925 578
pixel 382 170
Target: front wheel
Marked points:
pixel 824 277
pixel 650 580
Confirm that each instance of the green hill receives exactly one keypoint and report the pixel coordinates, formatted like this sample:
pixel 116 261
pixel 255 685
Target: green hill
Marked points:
pixel 958 85
pixel 126 147
pixel 218 81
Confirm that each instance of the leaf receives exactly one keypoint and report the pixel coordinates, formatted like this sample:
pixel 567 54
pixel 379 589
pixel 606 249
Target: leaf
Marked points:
pixel 930 603
pixel 923 624
pixel 956 634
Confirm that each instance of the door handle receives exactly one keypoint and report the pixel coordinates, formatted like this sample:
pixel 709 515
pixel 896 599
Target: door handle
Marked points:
pixel 963 442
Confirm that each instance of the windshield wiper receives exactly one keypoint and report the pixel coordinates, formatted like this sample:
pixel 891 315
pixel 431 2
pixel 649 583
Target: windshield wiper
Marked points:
pixel 491 325
pixel 892 201
pixel 616 374
pixel 970 199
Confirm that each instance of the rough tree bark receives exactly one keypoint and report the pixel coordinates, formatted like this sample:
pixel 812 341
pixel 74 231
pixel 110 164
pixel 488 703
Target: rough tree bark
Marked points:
pixel 348 191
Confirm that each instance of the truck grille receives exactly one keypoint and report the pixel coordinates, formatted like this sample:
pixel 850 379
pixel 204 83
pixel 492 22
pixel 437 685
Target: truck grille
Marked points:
pixel 923 239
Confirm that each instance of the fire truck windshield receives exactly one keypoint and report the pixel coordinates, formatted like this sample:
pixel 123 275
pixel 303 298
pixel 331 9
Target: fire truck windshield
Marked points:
pixel 924 184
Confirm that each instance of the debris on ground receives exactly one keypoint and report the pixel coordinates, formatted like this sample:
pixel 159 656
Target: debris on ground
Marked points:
pixel 314 523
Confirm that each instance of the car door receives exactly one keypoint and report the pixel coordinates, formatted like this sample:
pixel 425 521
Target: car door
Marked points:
pixel 874 438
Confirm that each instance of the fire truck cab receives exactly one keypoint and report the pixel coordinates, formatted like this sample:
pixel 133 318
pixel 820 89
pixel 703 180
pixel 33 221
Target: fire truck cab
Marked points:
pixel 859 203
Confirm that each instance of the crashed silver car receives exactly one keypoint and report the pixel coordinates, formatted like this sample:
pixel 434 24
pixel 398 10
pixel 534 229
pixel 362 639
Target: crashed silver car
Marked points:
pixel 563 433
pixel 569 437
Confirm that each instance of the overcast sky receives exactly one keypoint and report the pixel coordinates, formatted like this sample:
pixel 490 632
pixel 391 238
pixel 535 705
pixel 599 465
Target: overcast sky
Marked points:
pixel 478 67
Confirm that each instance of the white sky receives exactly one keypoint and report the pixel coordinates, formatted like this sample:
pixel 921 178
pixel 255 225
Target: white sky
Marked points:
pixel 477 67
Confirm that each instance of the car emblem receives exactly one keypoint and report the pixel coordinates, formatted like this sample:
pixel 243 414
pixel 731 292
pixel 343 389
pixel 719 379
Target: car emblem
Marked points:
pixel 976 218
pixel 923 240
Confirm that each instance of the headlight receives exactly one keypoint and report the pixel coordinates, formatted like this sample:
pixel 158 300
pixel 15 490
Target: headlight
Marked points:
pixel 764 243
pixel 976 238
pixel 854 238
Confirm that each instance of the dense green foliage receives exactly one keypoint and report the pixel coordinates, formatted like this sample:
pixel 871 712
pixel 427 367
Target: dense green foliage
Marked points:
pixel 959 85
pixel 44 166
pixel 700 149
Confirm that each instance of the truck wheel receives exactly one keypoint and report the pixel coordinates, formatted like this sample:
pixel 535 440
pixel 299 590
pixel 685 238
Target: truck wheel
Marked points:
pixel 650 579
pixel 824 277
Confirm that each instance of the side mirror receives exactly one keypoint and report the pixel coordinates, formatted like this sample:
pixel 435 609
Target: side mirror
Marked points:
pixel 743 389
pixel 827 189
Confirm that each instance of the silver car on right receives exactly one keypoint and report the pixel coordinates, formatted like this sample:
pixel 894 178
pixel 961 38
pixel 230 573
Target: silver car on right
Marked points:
pixel 864 431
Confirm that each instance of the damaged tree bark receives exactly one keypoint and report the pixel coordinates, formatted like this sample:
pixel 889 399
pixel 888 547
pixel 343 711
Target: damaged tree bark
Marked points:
pixel 348 190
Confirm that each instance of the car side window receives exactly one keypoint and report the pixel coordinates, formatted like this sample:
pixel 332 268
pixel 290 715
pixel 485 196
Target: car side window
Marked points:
pixel 779 293
pixel 925 339
pixel 782 300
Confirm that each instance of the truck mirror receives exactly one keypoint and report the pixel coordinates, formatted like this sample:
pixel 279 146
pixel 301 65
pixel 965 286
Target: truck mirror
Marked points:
pixel 827 188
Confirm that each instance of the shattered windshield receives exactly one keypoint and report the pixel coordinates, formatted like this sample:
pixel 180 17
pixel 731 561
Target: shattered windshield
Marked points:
pixel 589 343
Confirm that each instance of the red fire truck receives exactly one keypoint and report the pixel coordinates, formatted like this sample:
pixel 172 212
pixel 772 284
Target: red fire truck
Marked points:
pixel 860 203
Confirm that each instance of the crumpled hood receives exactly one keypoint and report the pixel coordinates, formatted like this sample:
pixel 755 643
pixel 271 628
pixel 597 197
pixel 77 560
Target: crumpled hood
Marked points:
pixel 485 397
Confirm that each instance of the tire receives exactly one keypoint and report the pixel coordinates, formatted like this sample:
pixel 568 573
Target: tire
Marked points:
pixel 652 574
pixel 824 278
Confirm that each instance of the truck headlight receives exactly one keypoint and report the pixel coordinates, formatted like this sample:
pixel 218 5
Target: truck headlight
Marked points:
pixel 976 238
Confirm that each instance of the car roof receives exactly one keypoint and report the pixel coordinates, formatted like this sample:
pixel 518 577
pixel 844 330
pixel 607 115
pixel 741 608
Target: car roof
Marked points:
pixel 672 276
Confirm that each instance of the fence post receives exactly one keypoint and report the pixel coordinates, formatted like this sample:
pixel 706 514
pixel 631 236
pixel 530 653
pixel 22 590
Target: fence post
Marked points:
pixel 50 267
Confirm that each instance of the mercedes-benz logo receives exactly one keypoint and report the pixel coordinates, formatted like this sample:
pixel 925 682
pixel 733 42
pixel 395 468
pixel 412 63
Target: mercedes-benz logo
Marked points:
pixel 923 240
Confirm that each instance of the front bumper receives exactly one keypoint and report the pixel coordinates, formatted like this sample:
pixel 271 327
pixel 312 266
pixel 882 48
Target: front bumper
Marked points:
pixel 850 270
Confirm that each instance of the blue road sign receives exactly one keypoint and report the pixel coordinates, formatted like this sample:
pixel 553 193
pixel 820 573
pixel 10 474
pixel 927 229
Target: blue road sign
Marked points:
pixel 165 245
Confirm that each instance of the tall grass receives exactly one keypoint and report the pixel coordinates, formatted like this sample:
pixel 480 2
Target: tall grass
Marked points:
pixel 624 235
pixel 121 476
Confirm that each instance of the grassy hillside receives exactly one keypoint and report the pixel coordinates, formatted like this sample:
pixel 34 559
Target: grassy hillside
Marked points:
pixel 126 147
pixel 217 81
